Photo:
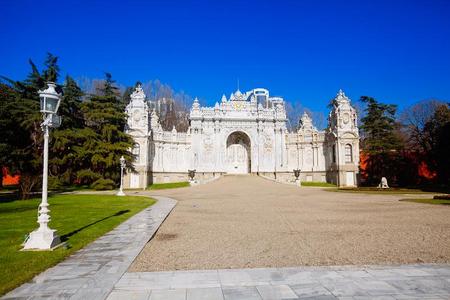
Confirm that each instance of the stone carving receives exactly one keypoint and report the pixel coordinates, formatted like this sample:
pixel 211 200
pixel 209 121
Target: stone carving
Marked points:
pixel 267 142
pixel 208 144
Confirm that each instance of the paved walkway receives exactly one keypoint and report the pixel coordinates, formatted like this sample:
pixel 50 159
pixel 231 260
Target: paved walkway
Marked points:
pixel 426 281
pixel 91 272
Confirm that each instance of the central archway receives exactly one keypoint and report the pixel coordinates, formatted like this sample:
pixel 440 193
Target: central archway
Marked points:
pixel 238 153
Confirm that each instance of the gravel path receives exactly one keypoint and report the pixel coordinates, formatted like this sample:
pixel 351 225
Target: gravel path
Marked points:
pixel 247 221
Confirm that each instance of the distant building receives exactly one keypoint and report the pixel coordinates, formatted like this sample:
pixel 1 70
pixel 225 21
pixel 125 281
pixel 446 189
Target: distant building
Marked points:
pixel 245 133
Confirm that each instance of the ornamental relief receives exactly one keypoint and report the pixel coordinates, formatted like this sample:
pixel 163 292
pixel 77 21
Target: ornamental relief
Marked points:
pixel 208 145
pixel 267 142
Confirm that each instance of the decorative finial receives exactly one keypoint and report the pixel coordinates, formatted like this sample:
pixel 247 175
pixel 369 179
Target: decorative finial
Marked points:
pixel 138 93
pixel 341 97
pixel 196 104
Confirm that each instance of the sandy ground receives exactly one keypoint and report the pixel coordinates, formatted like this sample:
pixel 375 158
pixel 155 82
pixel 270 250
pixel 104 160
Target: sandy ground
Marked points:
pixel 247 221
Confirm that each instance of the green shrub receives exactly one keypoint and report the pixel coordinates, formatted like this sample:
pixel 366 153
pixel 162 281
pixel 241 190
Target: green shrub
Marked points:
pixel 55 183
pixel 103 184
pixel 86 176
pixel 442 197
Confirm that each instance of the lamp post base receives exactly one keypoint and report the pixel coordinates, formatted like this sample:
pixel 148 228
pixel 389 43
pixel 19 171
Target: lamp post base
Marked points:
pixel 120 193
pixel 42 239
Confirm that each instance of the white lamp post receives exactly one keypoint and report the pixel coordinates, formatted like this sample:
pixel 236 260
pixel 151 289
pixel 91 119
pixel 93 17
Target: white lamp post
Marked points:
pixel 45 238
pixel 122 167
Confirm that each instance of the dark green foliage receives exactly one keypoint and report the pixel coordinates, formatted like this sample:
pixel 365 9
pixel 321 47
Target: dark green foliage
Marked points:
pixel 109 89
pixel 126 96
pixel 51 73
pixel 25 134
pixel 87 146
pixel 437 131
pixel 379 140
pixel 55 183
pixel 70 107
pixel 105 120
pixel 443 197
pixel 8 138
pixel 86 176
pixel 379 126
pixel 103 184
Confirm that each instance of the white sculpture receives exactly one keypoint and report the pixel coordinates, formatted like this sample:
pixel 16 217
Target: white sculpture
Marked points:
pixel 383 184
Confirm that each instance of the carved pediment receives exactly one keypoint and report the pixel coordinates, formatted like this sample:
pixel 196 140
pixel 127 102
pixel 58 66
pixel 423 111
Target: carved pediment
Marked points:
pixel 349 135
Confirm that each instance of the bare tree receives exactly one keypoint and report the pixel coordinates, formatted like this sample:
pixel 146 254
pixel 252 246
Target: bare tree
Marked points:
pixel 414 119
pixel 293 112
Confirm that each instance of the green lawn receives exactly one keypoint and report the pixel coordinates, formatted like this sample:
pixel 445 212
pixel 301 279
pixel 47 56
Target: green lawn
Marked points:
pixel 171 185
pixel 320 184
pixel 79 219
pixel 429 201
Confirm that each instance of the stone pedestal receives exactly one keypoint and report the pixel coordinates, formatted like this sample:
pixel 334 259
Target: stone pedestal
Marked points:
pixel 42 239
pixel 298 182
pixel 193 182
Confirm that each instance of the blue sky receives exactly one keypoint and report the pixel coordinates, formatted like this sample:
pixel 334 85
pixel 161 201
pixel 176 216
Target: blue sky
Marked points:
pixel 395 51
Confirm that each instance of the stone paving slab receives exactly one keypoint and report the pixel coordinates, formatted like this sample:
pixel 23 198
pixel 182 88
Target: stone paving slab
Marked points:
pixel 419 281
pixel 92 272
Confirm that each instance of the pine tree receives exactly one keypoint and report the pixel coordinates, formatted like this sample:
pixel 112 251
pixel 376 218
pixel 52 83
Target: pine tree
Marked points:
pixel 126 97
pixel 105 121
pixel 51 73
pixel 26 153
pixel 65 141
pixel 70 107
pixel 379 139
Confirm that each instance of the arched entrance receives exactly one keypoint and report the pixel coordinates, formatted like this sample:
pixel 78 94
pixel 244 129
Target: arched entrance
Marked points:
pixel 238 158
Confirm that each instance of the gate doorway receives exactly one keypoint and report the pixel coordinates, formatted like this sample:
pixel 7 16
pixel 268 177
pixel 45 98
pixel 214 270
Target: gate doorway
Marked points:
pixel 238 153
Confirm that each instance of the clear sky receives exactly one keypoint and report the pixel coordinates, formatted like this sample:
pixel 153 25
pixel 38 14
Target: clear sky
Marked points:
pixel 395 51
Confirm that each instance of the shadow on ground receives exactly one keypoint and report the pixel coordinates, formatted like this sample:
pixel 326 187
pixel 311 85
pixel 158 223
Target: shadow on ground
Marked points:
pixel 66 236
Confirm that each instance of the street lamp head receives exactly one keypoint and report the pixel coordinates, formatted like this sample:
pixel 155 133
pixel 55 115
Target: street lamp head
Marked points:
pixel 50 99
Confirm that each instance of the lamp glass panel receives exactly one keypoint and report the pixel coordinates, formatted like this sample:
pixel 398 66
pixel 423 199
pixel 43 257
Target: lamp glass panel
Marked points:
pixel 51 104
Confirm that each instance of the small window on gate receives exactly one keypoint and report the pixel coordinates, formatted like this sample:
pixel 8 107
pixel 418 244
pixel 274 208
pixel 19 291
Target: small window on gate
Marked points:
pixel 348 153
